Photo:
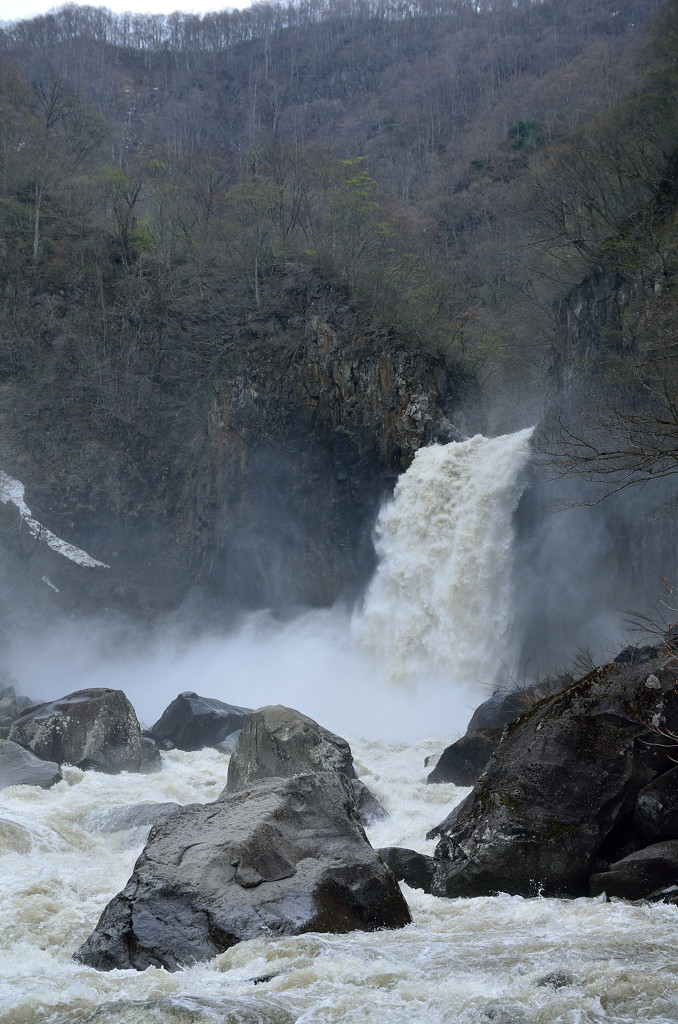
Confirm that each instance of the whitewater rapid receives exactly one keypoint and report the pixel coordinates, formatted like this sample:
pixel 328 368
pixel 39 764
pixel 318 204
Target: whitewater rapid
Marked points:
pixel 501 960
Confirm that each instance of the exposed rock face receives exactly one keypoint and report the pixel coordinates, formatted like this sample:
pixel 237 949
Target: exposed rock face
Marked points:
pixel 367 805
pixel 191 722
pixel 95 728
pixel 311 409
pixel 279 741
pixel 21 767
pixel 566 775
pixel 306 435
pixel 281 857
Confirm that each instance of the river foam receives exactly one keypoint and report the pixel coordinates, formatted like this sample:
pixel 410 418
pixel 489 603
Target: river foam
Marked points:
pixel 503 959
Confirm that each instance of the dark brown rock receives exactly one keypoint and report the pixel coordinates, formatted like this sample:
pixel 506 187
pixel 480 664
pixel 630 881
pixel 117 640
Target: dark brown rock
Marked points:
pixel 280 857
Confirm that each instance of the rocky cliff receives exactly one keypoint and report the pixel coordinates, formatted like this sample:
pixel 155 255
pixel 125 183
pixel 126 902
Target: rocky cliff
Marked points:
pixel 264 494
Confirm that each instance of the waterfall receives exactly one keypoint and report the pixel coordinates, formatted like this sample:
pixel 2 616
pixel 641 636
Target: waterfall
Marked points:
pixel 441 601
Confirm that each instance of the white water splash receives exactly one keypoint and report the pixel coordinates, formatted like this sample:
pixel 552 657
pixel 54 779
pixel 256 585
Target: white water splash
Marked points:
pixel 441 600
pixel 12 492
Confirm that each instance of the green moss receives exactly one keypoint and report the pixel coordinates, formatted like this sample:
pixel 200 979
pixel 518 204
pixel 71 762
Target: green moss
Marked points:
pixel 555 830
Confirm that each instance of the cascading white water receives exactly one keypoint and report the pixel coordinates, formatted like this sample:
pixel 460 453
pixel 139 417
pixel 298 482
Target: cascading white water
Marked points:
pixel 441 601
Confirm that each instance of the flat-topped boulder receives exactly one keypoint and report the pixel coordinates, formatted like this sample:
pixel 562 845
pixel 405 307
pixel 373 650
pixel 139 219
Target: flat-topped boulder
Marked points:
pixel 278 857
pixel 95 729
pixel 192 722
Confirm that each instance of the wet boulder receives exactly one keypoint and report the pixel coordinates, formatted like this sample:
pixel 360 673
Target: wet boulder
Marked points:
pixel 21 767
pixel 368 807
pixel 507 702
pixel 92 729
pixel 415 869
pixel 566 773
pixel 192 722
pixel 151 759
pixel 464 761
pixel 282 856
pixel 650 873
pixel 279 741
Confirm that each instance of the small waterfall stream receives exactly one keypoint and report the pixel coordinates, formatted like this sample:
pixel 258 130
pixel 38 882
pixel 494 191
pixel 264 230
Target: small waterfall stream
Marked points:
pixel 441 601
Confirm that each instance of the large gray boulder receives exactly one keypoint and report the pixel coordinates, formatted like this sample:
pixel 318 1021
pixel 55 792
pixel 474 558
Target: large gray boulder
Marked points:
pixel 21 767
pixel 279 741
pixel 191 722
pixel 279 857
pixel 565 776
pixel 95 728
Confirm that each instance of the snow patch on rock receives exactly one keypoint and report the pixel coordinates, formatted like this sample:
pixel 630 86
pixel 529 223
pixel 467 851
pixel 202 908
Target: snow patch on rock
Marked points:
pixel 12 492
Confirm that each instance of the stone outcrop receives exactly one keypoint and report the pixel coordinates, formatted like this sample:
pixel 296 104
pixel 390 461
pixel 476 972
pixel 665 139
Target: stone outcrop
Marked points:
pixel 650 873
pixel 309 412
pixel 11 704
pixel 280 857
pixel 21 767
pixel 95 728
pixel 558 796
pixel 191 722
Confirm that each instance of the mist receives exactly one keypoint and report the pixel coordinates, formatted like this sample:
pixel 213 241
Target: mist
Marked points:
pixel 310 664
pixel 476 587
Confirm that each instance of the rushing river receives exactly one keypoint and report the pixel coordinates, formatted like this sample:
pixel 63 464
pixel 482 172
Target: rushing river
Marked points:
pixel 438 616
pixel 502 960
